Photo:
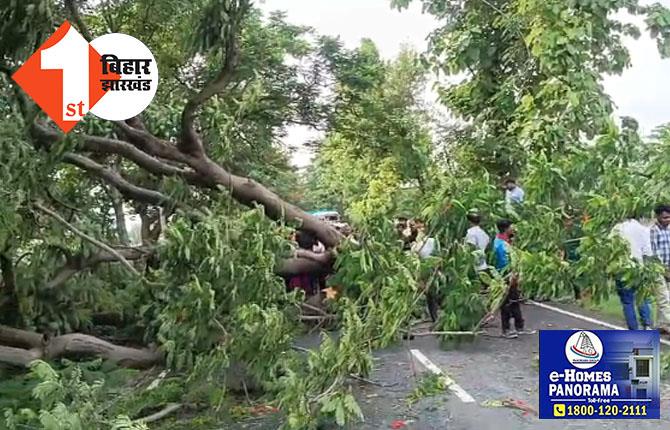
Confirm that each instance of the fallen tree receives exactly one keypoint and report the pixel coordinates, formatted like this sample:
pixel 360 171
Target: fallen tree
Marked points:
pixel 22 347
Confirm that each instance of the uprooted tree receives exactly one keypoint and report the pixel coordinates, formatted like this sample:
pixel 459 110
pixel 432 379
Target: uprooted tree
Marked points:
pixel 199 290
pixel 132 165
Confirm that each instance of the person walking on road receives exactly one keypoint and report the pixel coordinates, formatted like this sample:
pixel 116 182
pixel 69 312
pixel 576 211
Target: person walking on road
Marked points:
pixel 638 238
pixel 511 307
pixel 660 246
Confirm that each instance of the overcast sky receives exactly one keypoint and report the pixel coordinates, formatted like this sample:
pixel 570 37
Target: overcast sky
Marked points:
pixel 641 92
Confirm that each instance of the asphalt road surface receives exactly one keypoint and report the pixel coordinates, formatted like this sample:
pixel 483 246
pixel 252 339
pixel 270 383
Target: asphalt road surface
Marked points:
pixel 486 371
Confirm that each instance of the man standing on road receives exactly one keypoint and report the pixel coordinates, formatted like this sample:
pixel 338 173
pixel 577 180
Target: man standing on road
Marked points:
pixel 638 238
pixel 478 238
pixel 660 246
pixel 511 307
pixel 425 247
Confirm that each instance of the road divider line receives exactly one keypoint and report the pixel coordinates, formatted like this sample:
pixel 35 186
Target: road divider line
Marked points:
pixel 451 384
pixel 584 318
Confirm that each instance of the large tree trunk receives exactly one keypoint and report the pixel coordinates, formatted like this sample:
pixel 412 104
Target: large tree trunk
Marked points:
pixel 8 299
pixel 249 192
pixel 25 346
pixel 120 216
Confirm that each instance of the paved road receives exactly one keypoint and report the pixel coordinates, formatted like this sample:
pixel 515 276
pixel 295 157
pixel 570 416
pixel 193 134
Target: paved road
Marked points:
pixel 488 369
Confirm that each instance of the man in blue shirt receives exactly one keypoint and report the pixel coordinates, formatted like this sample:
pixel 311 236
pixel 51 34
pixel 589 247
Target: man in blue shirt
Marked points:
pixel 511 307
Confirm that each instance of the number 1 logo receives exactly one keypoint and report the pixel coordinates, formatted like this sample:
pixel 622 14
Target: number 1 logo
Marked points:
pixel 66 77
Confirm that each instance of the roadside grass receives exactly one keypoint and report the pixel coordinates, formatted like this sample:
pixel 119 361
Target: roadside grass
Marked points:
pixel 611 308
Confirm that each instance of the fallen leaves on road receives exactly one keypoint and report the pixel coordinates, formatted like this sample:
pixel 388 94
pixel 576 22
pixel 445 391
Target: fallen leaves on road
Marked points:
pixel 511 403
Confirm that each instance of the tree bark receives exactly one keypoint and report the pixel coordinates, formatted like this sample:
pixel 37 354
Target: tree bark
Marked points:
pixel 18 357
pixel 296 266
pixel 74 345
pixel 78 263
pixel 8 298
pixel 151 153
pixel 113 178
pixel 18 338
pixel 88 238
pixel 249 192
pixel 120 216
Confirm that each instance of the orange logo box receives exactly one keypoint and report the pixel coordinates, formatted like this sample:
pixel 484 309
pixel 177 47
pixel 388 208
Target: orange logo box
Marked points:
pixel 45 86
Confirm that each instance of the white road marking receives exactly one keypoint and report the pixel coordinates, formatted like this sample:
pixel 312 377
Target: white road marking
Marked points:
pixel 584 318
pixel 451 384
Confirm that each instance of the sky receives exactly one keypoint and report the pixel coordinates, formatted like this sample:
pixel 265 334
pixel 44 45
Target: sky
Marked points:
pixel 639 92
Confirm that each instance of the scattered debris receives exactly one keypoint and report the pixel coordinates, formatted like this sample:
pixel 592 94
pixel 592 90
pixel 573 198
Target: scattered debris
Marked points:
pixel 511 403
pixel 368 381
pixel 429 385
pixel 253 411
pixel 331 293
pixel 398 424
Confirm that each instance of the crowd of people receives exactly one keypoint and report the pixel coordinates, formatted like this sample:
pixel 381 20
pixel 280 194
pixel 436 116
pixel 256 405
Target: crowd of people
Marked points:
pixel 416 240
pixel 645 243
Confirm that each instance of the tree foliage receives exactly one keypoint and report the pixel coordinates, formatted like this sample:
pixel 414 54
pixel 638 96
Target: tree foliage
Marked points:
pixel 203 170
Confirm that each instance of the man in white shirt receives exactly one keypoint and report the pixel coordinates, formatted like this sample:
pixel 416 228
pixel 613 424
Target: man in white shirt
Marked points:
pixel 477 237
pixel 638 238
pixel 514 193
pixel 426 246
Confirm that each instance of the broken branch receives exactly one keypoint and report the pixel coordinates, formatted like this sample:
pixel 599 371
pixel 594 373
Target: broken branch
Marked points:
pixel 88 238
pixel 114 179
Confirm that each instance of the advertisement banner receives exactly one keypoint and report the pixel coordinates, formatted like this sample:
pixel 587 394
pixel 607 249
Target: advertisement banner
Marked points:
pixel 601 374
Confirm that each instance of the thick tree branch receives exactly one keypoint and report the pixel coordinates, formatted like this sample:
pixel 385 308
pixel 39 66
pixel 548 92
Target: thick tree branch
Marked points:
pixel 296 266
pixel 17 356
pixel 134 130
pixel 249 192
pixel 76 18
pixel 142 157
pixel 119 214
pixel 8 276
pixel 168 410
pixel 102 145
pixel 88 238
pixel 114 179
pixel 190 142
pixel 72 345
pixel 18 338
pixel 78 263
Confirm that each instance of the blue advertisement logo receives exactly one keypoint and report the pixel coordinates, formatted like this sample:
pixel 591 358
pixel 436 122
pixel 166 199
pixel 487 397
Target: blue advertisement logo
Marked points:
pixel 600 374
